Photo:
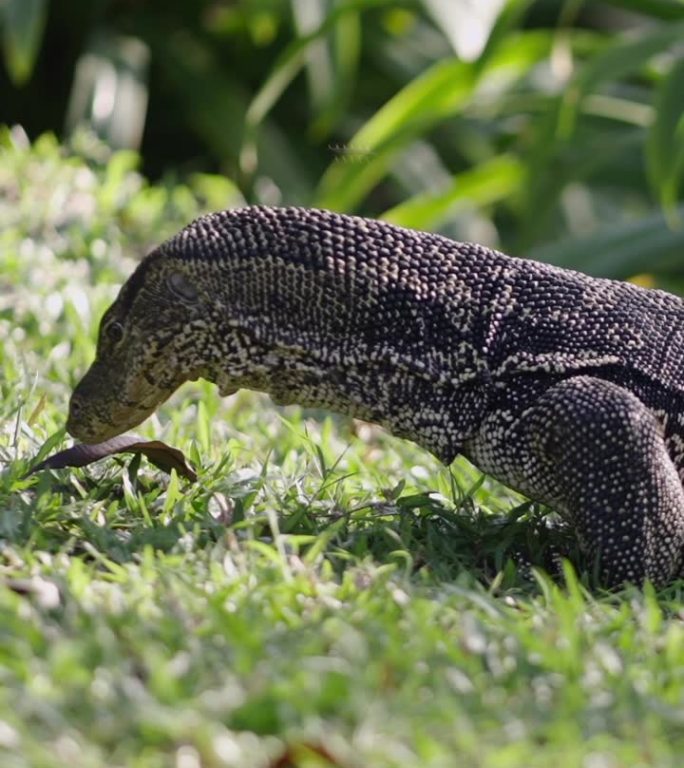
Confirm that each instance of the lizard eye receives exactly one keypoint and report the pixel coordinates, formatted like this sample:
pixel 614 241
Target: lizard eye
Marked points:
pixel 114 332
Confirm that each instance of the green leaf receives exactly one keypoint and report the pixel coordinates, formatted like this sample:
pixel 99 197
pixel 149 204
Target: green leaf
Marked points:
pixel 47 447
pixel 216 192
pixel 657 9
pixel 435 94
pixel 665 145
pixel 624 57
pixel 346 55
pixel 508 19
pixel 24 23
pixel 220 129
pixel 284 71
pixel 445 89
pixel 477 187
pixel 620 251
pixel 321 63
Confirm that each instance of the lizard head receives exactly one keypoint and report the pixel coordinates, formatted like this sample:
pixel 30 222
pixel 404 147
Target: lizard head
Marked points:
pixel 149 343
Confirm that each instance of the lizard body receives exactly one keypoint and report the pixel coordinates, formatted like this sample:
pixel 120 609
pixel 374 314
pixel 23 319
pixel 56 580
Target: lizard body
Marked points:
pixel 565 387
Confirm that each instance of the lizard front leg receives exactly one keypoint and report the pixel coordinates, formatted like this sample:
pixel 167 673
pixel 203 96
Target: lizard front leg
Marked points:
pixel 603 452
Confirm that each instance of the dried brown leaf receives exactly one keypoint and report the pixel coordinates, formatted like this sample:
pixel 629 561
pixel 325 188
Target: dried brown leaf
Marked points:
pixel 159 453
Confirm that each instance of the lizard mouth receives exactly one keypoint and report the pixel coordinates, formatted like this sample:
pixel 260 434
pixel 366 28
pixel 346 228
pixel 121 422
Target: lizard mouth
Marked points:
pixel 95 428
pixel 100 432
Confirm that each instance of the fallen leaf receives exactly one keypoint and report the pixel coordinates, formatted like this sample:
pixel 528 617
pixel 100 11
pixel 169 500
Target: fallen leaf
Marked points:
pixel 159 453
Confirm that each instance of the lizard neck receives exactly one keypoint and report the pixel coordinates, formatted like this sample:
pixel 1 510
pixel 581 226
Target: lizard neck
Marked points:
pixel 347 314
pixel 316 349
pixel 380 385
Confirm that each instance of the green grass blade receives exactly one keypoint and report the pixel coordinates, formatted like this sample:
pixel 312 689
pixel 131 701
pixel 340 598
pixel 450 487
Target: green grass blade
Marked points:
pixel 288 66
pixel 24 24
pixel 645 245
pixel 507 21
pixel 667 10
pixel 625 56
pixel 440 91
pixel 665 143
pixel 346 36
pixel 308 15
pixel 480 186
pixel 445 89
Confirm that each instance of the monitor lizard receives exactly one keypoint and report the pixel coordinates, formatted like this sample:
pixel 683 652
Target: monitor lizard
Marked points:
pixel 565 387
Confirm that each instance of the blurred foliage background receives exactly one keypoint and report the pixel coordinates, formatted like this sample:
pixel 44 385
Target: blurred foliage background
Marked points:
pixel 548 128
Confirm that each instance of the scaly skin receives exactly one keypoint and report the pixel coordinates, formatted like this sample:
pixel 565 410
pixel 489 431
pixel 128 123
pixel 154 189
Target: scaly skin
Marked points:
pixel 566 387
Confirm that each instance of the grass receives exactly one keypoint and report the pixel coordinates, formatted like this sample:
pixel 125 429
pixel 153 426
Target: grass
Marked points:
pixel 324 595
